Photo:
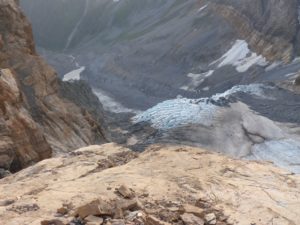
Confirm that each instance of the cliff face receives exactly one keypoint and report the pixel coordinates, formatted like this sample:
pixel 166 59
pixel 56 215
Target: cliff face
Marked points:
pixel 37 116
pixel 22 141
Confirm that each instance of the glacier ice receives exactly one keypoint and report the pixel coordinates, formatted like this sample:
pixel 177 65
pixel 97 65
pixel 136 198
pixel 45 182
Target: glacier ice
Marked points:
pixel 179 112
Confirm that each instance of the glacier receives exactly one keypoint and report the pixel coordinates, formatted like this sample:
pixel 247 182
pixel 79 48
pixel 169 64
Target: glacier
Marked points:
pixel 182 111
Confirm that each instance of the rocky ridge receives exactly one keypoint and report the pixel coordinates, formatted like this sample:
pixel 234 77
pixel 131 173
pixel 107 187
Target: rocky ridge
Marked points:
pixel 166 184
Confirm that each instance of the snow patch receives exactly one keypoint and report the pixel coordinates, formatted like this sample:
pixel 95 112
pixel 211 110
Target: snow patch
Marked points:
pixel 240 57
pixel 74 75
pixel 182 111
pixel 202 8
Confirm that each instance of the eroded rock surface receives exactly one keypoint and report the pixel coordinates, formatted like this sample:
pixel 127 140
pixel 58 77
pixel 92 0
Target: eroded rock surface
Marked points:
pixel 168 182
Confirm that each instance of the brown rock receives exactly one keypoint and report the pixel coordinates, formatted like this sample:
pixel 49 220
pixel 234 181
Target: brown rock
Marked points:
pixel 125 192
pixel 95 208
pixel 118 213
pixel 6 202
pixel 62 211
pixel 210 218
pixel 94 219
pixel 191 219
pixel 203 203
pixel 187 208
pixel 52 222
pixel 132 204
pixel 221 223
pixel 151 220
pixel 117 222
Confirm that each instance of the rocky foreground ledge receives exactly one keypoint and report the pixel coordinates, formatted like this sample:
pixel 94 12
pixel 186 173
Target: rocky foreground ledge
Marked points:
pixel 110 184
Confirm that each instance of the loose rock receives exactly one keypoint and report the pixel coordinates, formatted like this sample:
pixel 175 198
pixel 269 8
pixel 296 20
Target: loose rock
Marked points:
pixel 151 220
pixel 62 211
pixel 52 222
pixel 192 209
pixel 210 218
pixel 125 192
pixel 191 219
pixel 7 202
pixel 95 208
pixel 94 219
pixel 118 222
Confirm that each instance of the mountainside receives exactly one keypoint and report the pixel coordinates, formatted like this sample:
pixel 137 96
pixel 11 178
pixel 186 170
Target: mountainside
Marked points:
pixel 35 119
pixel 217 74
pixel 157 77
pixel 164 185
pixel 143 53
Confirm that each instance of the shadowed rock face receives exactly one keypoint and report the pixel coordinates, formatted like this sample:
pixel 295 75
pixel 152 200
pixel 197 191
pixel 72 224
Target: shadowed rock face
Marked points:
pixel 33 114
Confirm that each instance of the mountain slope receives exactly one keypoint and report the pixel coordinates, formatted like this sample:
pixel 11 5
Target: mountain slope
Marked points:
pixel 215 74
pixel 141 54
